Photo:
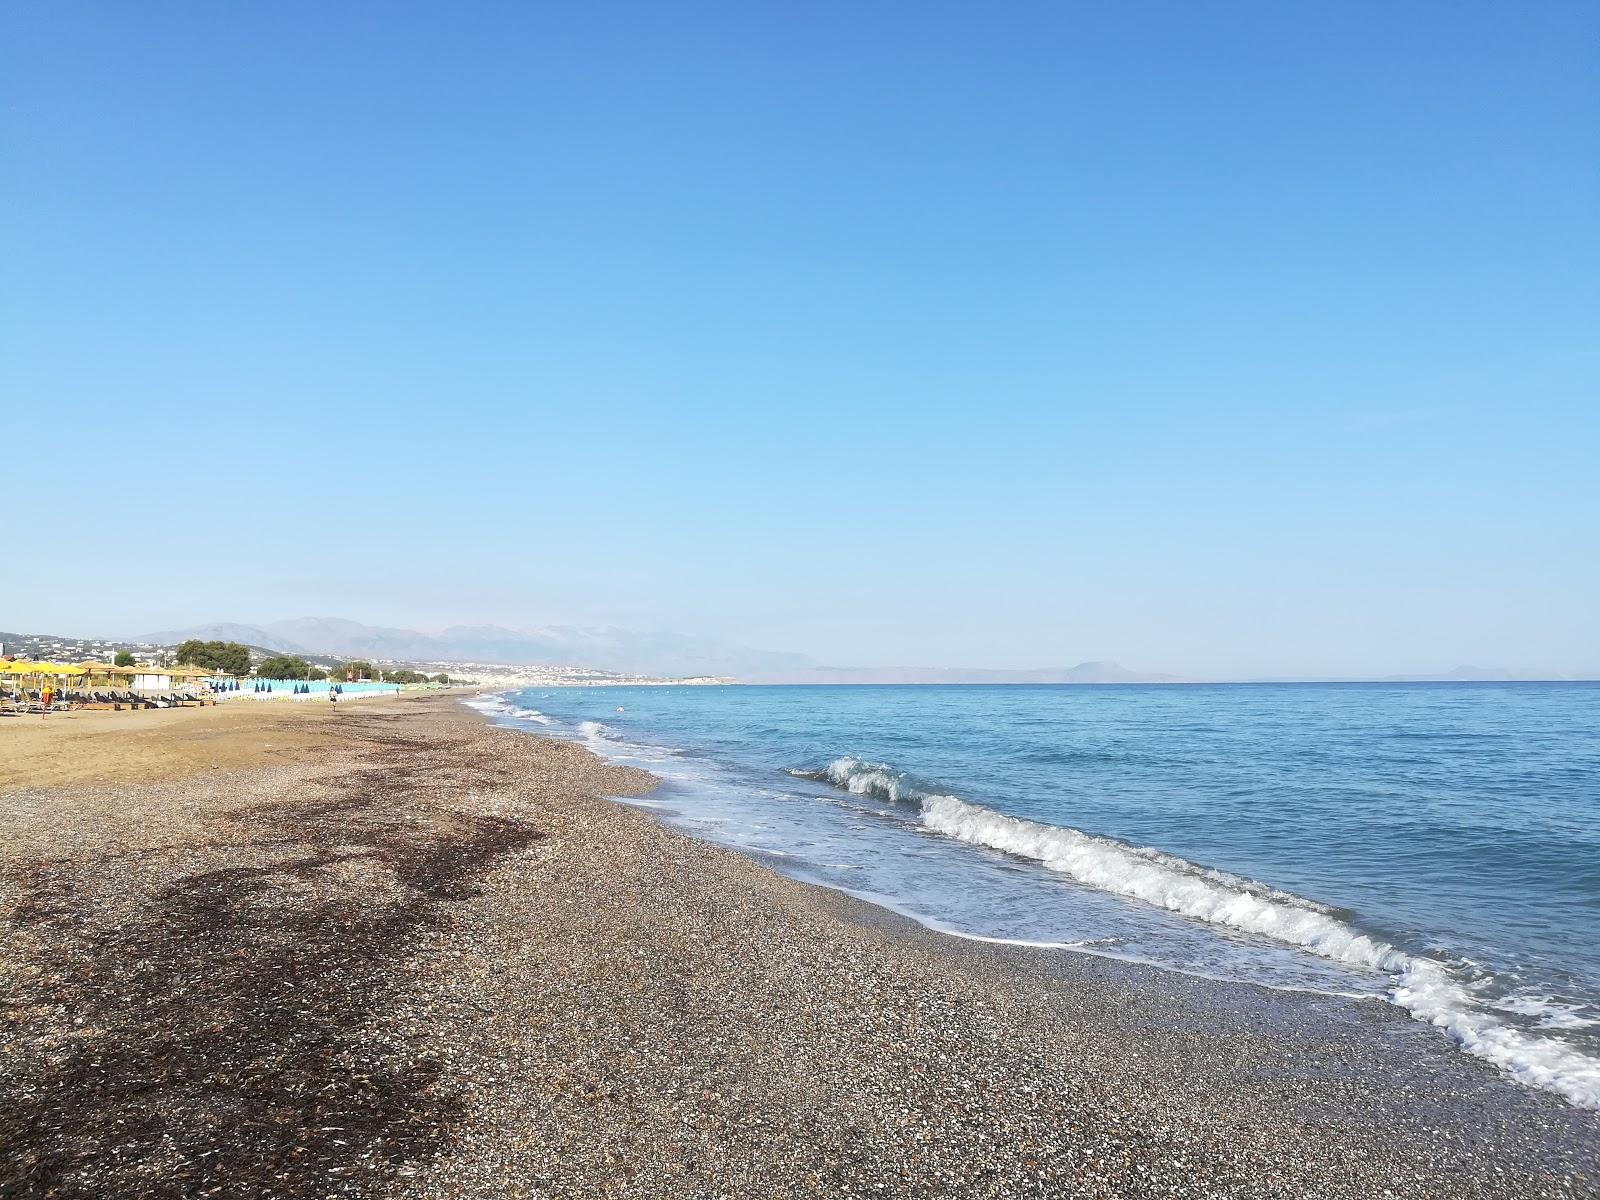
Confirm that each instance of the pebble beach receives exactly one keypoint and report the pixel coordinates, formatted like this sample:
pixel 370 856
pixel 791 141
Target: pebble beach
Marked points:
pixel 392 950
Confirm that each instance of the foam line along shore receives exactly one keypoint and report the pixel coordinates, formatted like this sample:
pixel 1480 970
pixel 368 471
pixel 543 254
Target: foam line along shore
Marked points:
pixel 1303 1064
pixel 1486 950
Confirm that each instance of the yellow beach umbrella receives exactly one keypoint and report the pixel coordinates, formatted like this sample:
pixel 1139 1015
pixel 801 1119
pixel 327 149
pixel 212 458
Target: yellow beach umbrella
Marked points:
pixel 21 671
pixel 58 670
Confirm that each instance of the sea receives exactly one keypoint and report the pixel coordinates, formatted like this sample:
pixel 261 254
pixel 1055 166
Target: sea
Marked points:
pixel 1431 846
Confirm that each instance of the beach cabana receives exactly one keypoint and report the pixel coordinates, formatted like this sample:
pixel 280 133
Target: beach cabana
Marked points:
pixel 151 679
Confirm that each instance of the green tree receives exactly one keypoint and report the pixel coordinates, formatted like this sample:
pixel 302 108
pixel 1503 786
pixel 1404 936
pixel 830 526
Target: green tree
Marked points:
pixel 124 658
pixel 317 673
pixel 441 679
pixel 284 666
pixel 231 657
pixel 360 669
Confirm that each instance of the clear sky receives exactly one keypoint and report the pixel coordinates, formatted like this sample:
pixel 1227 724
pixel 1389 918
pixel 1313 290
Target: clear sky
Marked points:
pixel 1216 338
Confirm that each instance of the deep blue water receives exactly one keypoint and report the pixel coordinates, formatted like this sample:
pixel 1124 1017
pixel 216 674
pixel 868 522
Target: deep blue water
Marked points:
pixel 1437 845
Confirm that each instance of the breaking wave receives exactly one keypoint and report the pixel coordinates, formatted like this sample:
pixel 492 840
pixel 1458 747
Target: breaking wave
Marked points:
pixel 499 705
pixel 1423 986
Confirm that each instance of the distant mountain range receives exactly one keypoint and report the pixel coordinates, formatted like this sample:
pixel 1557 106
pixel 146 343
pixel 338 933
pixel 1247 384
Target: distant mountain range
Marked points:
pixel 608 649
pixel 667 654
pixel 675 655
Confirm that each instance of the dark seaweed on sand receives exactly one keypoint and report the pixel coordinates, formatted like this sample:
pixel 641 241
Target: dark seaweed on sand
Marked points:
pixel 226 1037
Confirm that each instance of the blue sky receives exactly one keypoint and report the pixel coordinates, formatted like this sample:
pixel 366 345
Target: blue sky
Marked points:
pixel 1211 338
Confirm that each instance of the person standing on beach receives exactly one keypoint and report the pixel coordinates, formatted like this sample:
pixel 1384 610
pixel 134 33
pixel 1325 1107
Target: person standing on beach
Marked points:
pixel 47 698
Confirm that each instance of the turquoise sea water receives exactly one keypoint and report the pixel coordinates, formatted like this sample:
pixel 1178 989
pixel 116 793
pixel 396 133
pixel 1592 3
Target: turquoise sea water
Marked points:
pixel 1433 845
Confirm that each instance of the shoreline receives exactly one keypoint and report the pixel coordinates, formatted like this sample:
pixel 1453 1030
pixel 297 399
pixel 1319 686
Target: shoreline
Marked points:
pixel 1188 916
pixel 514 985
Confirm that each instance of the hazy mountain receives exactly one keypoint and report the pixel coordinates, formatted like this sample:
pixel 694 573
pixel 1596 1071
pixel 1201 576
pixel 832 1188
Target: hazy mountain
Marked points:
pixel 334 635
pixel 676 654
pixel 1108 672
pixel 608 649
pixel 221 631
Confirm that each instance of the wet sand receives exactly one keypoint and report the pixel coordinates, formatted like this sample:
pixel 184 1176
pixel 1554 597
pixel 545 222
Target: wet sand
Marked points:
pixel 390 950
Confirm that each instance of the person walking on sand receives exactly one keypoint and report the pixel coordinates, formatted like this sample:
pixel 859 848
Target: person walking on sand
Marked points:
pixel 333 694
pixel 46 699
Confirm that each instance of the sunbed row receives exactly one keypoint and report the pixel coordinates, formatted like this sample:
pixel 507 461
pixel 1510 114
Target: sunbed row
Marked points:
pixel 32 700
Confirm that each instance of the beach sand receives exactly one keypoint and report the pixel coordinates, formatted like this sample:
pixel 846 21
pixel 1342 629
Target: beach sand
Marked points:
pixel 391 950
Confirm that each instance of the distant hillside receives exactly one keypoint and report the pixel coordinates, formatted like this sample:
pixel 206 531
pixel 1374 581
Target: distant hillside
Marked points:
pixel 609 649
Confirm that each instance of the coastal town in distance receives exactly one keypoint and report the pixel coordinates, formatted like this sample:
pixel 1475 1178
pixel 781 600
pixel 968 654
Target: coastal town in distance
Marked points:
pixel 56 648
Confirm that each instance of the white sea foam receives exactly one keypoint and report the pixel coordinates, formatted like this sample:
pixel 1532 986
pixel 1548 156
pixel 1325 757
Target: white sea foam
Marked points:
pixel 863 778
pixel 1426 990
pixel 1550 1012
pixel 1163 881
pixel 500 705
pixel 1421 985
